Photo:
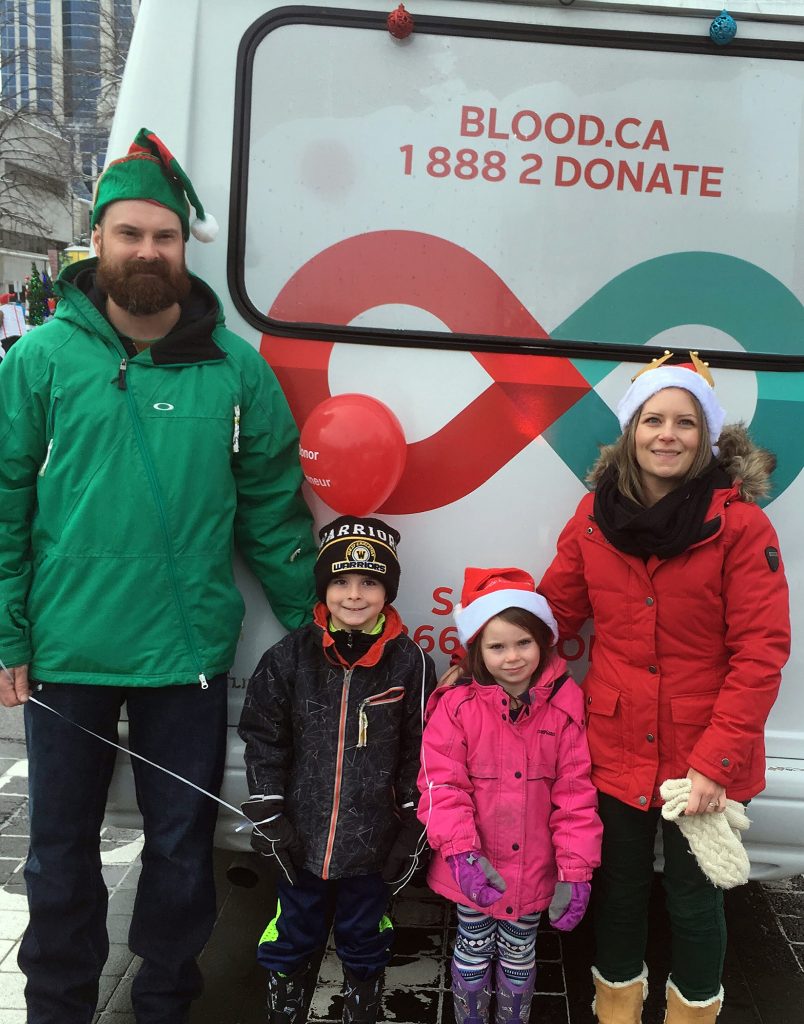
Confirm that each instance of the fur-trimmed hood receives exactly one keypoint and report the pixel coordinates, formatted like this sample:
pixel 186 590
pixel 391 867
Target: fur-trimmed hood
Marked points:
pixel 748 466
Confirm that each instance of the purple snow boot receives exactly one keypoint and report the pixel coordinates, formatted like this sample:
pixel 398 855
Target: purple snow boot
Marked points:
pixel 513 1001
pixel 471 998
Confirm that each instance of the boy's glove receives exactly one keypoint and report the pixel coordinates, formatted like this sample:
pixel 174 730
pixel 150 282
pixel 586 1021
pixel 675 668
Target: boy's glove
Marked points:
pixel 273 835
pixel 477 879
pixel 569 904
pixel 403 854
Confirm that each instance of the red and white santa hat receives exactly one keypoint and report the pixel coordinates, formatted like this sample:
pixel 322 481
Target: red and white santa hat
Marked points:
pixel 487 592
pixel 693 377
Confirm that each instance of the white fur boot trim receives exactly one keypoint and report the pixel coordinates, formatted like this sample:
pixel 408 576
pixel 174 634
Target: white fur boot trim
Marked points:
pixel 642 976
pixel 695 1002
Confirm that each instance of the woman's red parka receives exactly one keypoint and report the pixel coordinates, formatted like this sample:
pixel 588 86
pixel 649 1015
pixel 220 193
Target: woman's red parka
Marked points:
pixel 687 653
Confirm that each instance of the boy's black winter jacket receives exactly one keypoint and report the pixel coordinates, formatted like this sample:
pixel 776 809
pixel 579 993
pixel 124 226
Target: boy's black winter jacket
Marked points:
pixel 341 744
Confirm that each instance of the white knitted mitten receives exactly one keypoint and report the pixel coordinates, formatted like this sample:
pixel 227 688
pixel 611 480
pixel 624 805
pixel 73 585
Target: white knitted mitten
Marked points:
pixel 714 838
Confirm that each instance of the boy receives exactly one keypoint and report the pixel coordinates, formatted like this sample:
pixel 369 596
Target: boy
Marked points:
pixel 332 723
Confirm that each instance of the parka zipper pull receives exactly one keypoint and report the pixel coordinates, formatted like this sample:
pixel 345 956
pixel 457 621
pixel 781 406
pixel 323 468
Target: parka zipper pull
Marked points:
pixel 43 467
pixel 121 375
pixel 362 725
pixel 202 679
pixel 236 430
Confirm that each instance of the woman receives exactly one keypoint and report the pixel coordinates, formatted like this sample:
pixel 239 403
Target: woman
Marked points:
pixel 681 573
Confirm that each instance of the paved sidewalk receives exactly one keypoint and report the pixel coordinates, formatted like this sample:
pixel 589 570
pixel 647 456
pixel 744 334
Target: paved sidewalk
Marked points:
pixel 764 974
pixel 764 977
pixel 120 850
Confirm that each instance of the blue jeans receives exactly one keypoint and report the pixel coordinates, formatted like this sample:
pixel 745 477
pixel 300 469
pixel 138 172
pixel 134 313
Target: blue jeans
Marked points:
pixel 305 912
pixel 65 944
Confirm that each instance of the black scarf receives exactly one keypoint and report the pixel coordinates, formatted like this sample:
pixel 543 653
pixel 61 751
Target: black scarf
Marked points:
pixel 665 529
pixel 352 644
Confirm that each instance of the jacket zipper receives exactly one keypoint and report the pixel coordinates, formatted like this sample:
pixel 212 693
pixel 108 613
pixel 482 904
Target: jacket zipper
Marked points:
pixel 392 696
pixel 51 430
pixel 336 789
pixel 236 430
pixel 171 558
pixel 43 467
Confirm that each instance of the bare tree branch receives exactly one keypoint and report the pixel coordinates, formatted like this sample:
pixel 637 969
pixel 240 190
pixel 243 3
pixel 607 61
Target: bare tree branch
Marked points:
pixel 51 134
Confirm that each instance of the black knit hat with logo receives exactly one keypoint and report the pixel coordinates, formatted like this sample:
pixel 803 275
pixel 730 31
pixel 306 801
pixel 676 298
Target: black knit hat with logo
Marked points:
pixel 350 544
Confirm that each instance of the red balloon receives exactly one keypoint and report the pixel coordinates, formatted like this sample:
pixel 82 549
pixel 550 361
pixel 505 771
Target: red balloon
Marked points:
pixel 352 451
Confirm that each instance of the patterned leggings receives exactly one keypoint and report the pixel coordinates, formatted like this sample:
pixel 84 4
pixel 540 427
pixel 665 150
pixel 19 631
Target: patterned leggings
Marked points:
pixel 482 938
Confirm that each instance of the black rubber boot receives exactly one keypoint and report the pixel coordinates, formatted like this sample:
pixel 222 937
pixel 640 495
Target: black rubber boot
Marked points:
pixel 289 995
pixel 361 999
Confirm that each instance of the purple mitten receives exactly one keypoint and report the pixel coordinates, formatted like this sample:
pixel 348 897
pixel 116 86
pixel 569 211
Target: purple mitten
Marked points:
pixel 476 877
pixel 569 904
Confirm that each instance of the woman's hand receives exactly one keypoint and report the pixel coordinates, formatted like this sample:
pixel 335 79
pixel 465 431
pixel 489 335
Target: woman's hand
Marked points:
pixel 450 677
pixel 707 796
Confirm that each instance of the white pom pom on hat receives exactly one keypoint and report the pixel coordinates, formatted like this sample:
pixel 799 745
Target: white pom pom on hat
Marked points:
pixel 205 229
pixel 487 592
pixel 654 379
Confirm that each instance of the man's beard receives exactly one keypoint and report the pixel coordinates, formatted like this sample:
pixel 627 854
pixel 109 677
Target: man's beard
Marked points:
pixel 143 287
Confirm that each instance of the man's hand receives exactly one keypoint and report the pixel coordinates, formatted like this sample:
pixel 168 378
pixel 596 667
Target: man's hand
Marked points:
pixel 14 687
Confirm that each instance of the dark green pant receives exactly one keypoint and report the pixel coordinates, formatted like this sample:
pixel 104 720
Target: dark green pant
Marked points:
pixel 621 893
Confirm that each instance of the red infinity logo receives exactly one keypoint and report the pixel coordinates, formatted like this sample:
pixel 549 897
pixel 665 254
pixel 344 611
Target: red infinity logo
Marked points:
pixel 415 269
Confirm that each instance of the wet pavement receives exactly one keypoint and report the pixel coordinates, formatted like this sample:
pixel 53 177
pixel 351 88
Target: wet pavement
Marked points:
pixel 764 974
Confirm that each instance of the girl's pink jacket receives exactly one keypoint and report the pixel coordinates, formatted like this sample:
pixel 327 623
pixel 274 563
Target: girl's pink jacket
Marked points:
pixel 518 791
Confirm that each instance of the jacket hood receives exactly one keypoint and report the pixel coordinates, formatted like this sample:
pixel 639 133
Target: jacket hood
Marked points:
pixel 201 311
pixel 748 466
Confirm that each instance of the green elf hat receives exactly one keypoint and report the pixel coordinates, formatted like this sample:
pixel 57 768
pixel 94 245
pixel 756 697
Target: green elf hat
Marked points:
pixel 150 171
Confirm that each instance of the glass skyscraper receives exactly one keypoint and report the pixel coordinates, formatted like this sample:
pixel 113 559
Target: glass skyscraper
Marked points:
pixel 60 59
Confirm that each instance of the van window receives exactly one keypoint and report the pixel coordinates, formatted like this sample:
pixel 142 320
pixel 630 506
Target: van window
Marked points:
pixel 489 184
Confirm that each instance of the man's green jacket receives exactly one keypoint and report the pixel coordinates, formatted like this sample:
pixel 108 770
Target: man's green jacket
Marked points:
pixel 124 484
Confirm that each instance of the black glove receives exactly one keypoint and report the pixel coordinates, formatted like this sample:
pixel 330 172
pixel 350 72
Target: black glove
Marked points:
pixel 273 835
pixel 403 856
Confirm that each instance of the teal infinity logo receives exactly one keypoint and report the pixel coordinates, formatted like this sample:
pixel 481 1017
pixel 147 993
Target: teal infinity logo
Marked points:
pixel 694 288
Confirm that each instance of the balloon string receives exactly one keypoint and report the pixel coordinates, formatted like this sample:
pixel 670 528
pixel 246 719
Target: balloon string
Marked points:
pixel 131 753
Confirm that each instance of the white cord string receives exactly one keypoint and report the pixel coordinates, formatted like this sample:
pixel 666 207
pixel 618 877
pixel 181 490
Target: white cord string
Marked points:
pixel 421 845
pixel 133 753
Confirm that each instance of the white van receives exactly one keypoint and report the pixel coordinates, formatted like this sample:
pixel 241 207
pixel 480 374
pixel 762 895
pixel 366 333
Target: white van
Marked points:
pixel 488 225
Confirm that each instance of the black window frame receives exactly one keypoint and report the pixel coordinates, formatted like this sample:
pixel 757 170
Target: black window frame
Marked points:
pixel 466 27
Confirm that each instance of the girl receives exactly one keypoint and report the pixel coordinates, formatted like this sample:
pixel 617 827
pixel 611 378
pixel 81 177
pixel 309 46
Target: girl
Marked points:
pixel 506 796
pixel 682 576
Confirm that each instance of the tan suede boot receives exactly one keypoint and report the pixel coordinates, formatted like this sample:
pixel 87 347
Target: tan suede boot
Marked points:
pixel 686 1011
pixel 620 1002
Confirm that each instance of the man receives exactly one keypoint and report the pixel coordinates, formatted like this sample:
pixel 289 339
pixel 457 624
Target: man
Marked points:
pixel 139 438
pixel 12 321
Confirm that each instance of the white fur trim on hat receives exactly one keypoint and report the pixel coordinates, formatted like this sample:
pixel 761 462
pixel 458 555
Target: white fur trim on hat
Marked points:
pixel 470 620
pixel 650 382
